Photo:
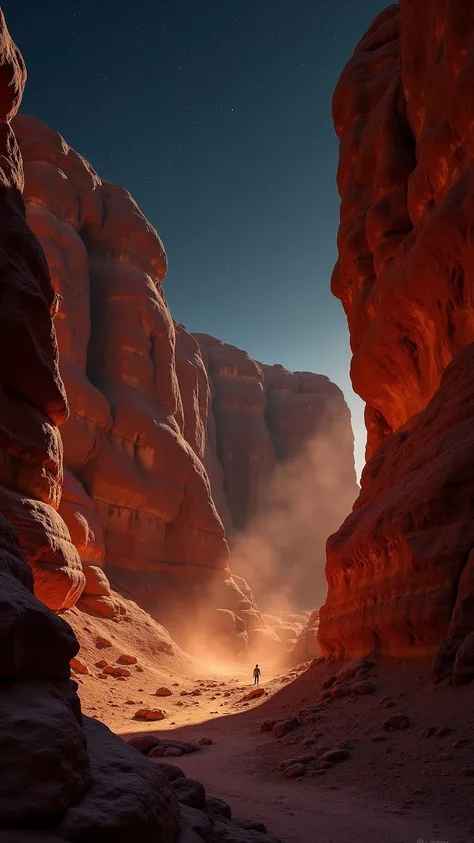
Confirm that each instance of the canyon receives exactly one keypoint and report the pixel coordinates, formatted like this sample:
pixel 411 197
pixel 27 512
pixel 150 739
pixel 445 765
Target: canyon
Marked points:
pixel 399 570
pixel 171 440
pixel 165 498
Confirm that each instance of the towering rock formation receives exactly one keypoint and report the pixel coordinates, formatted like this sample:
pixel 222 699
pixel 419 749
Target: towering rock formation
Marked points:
pixel 286 478
pixel 400 571
pixel 68 776
pixel 136 496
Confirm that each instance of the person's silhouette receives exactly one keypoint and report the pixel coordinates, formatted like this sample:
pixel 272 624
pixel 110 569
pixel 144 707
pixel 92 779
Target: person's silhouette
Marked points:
pixel 256 674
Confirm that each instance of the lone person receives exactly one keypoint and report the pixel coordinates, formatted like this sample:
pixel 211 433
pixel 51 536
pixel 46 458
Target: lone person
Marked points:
pixel 256 674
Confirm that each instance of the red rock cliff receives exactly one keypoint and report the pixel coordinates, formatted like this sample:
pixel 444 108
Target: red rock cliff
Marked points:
pixel 284 448
pixel 136 496
pixel 398 570
pixel 57 769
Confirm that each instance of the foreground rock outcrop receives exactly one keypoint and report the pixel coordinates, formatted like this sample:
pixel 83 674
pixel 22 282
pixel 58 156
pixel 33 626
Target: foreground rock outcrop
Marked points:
pixel 69 776
pixel 400 569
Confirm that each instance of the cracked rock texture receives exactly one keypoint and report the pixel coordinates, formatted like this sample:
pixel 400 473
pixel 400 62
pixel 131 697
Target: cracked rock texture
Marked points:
pixel 399 570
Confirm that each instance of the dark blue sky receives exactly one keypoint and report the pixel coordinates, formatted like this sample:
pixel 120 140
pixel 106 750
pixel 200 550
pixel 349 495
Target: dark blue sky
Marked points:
pixel 216 116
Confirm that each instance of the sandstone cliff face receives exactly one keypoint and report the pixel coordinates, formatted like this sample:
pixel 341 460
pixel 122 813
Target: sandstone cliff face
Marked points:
pixel 284 448
pixel 243 444
pixel 157 416
pixel 403 111
pixel 52 770
pixel 136 497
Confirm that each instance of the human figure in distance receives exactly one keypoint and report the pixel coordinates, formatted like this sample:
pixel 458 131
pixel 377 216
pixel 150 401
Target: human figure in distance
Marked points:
pixel 256 674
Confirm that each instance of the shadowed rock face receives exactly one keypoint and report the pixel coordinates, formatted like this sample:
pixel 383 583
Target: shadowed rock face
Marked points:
pixel 136 496
pixel 403 112
pixel 52 770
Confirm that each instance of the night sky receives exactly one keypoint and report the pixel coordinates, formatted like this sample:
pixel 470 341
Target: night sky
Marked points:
pixel 216 116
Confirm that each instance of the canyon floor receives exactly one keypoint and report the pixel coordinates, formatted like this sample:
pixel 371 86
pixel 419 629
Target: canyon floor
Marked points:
pixel 401 786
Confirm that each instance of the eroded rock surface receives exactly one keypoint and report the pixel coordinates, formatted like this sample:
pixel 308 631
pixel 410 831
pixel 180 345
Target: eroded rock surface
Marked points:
pixel 136 497
pixel 56 773
pixel 284 450
pixel 399 569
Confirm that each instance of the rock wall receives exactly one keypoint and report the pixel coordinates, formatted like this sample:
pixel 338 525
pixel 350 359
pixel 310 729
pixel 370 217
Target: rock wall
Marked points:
pixel 136 497
pixel 284 446
pixel 61 773
pixel 398 570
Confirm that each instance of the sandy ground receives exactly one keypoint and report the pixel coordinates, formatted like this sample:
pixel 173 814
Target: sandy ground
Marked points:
pixel 396 787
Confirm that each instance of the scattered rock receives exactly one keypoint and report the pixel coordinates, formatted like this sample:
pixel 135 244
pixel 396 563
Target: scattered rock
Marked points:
pixel 102 663
pixel 80 667
pixel 219 807
pixel 125 659
pixel 157 752
pixel 340 690
pixel 110 670
pixel 172 751
pixel 267 725
pixel 143 743
pixel 295 771
pixel 163 692
pixel 253 694
pixel 102 643
pixel 284 726
pixel 397 721
pixel 329 681
pixel 349 670
pixel 205 741
pixel 150 714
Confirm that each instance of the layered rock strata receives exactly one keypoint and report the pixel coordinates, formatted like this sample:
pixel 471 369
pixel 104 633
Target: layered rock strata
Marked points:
pixel 399 570
pixel 285 450
pixel 136 496
pixel 68 776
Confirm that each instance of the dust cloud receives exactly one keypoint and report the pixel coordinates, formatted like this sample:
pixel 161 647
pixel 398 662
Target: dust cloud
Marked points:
pixel 282 552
